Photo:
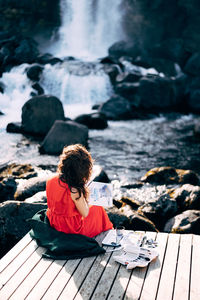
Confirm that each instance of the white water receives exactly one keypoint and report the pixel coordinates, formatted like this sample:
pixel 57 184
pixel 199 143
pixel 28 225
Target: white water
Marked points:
pixel 88 28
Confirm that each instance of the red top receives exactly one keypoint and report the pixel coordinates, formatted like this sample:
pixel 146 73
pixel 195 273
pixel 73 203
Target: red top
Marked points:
pixel 64 216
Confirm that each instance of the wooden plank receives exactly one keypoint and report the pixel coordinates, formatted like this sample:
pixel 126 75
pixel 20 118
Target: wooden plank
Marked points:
pixel 46 280
pixel 153 273
pixel 21 274
pixel 122 279
pixel 106 280
pixel 93 277
pixel 120 283
pixel 182 282
pixel 195 269
pixel 32 278
pixel 76 280
pixel 99 238
pixel 8 272
pixel 137 279
pixel 11 255
pixel 166 283
pixel 61 280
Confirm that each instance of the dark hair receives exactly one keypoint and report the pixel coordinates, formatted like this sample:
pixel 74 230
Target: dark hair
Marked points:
pixel 75 167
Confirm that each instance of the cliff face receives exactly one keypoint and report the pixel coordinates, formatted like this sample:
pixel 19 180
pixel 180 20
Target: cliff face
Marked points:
pixel 29 17
pixel 147 22
pixel 151 22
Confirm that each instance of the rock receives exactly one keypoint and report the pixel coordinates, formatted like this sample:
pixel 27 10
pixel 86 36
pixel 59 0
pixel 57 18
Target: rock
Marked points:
pixel 61 134
pixel 34 72
pixel 26 51
pixel 123 48
pixel 197 129
pixel 18 171
pixel 192 66
pixel 47 58
pixel 116 108
pixel 157 93
pixel 187 196
pixel 36 86
pixel 109 60
pixel 169 175
pixel 129 219
pixel 14 127
pixel 8 187
pixel 99 174
pixel 39 114
pixel 193 101
pixel 28 188
pixel 39 197
pixel 117 217
pixel 186 222
pixel 161 65
pixel 139 222
pixel 171 49
pixel 113 71
pixel 159 210
pixel 134 204
pixel 128 77
pixel 92 121
pixel 129 91
pixel 187 176
pixel 2 87
pixel 13 216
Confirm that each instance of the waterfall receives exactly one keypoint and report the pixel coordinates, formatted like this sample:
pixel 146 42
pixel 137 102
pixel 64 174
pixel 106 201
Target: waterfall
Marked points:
pixel 78 92
pixel 88 27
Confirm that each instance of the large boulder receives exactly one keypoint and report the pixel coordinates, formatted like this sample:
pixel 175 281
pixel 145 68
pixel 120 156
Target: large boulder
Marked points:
pixel 39 114
pixel 26 51
pixel 186 222
pixel 172 49
pixel 39 197
pixel 61 134
pixel 8 187
pixel 170 175
pixel 124 48
pixel 130 219
pixel 128 90
pixel 159 210
pixel 29 187
pixel 13 216
pixel 157 93
pixel 187 196
pixel 18 171
pixel 116 108
pixel 193 101
pixel 192 66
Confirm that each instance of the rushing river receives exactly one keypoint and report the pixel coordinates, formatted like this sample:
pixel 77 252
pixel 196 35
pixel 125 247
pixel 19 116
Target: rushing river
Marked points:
pixel 126 149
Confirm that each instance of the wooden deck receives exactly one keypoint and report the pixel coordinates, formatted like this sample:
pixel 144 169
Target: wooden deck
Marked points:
pixel 173 275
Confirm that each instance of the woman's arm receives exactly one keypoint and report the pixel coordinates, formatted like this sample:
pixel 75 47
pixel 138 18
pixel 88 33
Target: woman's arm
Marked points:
pixel 81 203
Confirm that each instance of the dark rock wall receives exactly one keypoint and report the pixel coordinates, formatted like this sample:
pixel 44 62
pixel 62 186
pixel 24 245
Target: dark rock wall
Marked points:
pixel 29 17
pixel 149 22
